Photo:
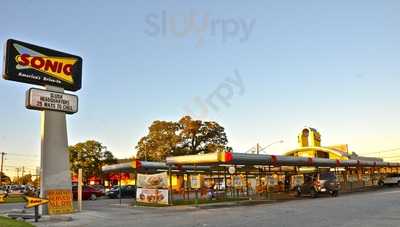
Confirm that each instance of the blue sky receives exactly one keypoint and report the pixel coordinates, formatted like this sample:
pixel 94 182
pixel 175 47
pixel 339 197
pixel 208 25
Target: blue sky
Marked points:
pixel 330 65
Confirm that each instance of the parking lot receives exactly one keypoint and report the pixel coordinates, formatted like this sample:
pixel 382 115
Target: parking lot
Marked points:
pixel 372 208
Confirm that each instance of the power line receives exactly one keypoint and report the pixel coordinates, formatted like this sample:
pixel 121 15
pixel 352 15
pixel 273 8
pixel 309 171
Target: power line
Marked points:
pixel 392 156
pixel 250 150
pixel 383 151
pixel 12 166
pixel 25 161
pixel 23 155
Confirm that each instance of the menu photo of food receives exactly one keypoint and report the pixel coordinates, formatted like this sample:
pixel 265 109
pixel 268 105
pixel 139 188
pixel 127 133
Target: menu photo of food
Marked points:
pixel 153 181
pixel 155 196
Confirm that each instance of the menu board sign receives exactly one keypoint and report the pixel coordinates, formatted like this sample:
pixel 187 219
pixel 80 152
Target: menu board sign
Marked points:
pixel 153 181
pixel 154 196
pixel 39 99
pixel 195 181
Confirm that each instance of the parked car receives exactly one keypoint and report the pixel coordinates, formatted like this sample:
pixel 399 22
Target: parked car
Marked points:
pixel 88 193
pixel 99 187
pixel 315 184
pixel 127 191
pixel 390 179
pixel 3 191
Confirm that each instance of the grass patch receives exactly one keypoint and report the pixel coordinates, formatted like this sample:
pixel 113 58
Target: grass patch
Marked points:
pixel 7 222
pixel 15 199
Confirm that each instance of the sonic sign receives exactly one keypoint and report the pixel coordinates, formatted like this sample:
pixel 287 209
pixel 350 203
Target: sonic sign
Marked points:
pixel 32 64
pixel 56 71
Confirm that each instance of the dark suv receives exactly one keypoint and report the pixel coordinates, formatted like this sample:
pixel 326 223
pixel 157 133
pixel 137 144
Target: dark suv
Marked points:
pixel 319 183
pixel 127 191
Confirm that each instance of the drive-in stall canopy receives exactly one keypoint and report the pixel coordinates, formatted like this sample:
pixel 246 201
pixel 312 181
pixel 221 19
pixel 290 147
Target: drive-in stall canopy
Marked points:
pixel 240 173
pixel 270 160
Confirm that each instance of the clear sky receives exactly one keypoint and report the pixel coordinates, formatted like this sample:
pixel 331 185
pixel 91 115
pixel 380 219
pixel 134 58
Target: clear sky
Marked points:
pixel 332 65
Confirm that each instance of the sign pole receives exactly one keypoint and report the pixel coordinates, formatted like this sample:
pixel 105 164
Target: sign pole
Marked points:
pixel 80 190
pixel 55 164
pixel 36 213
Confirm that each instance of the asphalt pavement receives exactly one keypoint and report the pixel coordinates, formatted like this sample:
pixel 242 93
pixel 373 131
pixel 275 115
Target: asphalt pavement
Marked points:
pixel 376 208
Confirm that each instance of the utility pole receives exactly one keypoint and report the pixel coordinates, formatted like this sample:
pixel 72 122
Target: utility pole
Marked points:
pixel 23 171
pixel 1 171
pixel 18 175
pixel 258 149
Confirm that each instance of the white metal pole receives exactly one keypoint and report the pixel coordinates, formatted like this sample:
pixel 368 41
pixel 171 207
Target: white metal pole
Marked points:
pixel 80 190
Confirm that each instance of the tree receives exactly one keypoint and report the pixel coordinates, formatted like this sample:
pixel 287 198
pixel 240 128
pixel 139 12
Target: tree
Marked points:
pixel 36 182
pixel 161 141
pixel 90 156
pixel 5 179
pixel 26 179
pixel 185 137
pixel 201 137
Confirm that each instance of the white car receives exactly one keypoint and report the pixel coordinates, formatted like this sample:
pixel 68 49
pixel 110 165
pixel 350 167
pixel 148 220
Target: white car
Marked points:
pixel 393 178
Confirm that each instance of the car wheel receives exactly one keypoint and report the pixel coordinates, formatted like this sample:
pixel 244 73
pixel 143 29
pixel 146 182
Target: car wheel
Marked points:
pixel 381 184
pixel 335 193
pixel 398 183
pixel 93 197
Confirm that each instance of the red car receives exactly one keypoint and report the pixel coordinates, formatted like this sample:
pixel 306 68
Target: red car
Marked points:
pixel 88 193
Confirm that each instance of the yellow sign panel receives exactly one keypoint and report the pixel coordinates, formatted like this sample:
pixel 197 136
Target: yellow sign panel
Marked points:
pixel 211 158
pixel 2 198
pixel 195 181
pixel 60 201
pixel 34 202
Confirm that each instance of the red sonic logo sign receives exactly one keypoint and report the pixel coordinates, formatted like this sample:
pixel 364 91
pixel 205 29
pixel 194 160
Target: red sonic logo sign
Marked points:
pixel 38 65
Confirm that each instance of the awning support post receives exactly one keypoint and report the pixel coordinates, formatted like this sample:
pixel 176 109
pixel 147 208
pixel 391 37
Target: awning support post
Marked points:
pixel 170 186
pixel 247 185
pixel 120 188
pixel 136 177
pixel 196 200
pixel 226 185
